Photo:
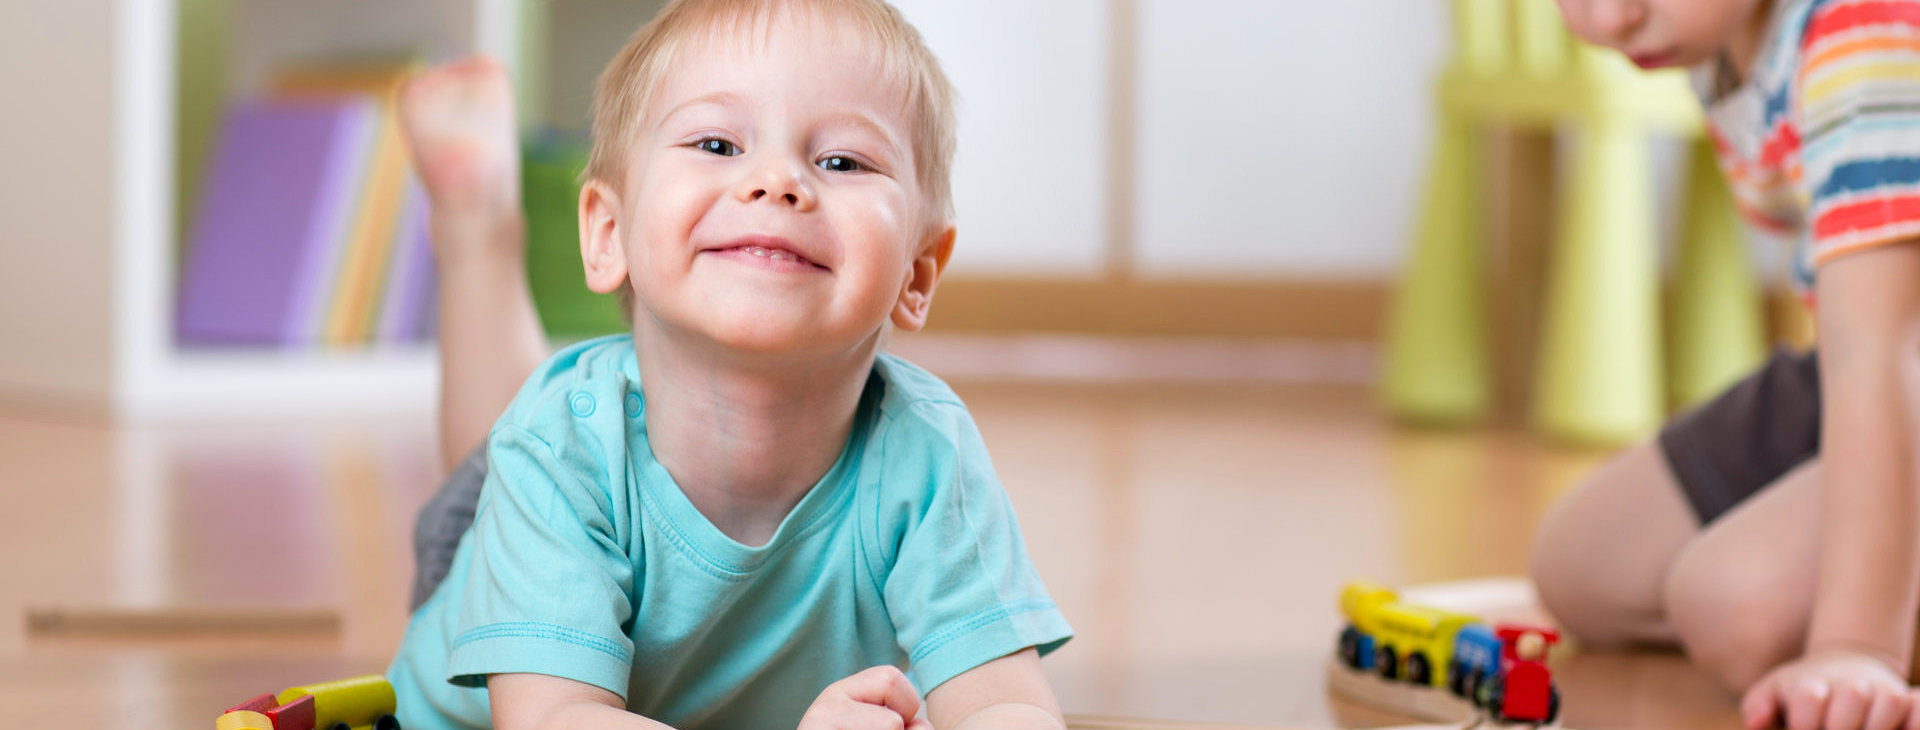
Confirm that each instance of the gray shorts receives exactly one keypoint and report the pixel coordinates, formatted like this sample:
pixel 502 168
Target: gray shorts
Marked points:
pixel 1733 446
pixel 443 519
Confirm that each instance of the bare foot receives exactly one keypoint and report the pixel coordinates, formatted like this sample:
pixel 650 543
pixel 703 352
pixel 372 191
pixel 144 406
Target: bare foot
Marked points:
pixel 459 124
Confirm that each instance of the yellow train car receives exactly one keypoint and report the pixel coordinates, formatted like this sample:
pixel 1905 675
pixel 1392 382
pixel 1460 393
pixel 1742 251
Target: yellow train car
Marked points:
pixel 1397 640
pixel 1415 643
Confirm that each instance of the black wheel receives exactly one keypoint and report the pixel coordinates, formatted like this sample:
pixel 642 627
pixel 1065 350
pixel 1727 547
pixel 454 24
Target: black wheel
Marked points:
pixel 1464 681
pixel 1496 700
pixel 1386 662
pixel 340 726
pixel 1553 704
pixel 1350 647
pixel 1419 670
pixel 386 722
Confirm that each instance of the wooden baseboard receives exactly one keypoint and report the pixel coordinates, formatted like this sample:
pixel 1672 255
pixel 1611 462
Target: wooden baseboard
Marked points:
pixel 1313 310
pixel 1329 310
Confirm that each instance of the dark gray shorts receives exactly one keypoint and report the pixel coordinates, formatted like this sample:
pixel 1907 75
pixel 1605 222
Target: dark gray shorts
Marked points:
pixel 1733 446
pixel 443 519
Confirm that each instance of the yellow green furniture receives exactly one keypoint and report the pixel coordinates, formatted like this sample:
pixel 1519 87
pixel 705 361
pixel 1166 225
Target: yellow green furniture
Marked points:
pixel 1600 375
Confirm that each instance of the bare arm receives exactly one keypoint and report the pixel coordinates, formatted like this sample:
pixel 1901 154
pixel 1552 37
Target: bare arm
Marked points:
pixel 1869 591
pixel 541 702
pixel 1009 692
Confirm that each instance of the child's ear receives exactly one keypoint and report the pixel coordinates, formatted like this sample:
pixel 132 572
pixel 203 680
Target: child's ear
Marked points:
pixel 916 297
pixel 601 253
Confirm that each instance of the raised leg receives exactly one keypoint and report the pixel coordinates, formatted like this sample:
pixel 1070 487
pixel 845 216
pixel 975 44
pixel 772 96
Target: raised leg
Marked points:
pixel 459 122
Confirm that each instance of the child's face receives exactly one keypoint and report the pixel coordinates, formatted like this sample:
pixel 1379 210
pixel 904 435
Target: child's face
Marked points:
pixel 1659 33
pixel 771 202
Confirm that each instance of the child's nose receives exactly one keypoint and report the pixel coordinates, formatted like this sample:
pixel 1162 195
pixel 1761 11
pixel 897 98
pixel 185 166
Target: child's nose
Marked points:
pixel 779 182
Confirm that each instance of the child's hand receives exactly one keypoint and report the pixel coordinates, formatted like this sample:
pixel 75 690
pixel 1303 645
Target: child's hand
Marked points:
pixel 879 698
pixel 1832 690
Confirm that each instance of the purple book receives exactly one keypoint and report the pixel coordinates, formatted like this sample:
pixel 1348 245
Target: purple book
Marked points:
pixel 406 299
pixel 280 193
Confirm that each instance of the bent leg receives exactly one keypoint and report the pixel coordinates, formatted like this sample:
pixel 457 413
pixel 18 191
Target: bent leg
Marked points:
pixel 1601 556
pixel 1604 554
pixel 1741 595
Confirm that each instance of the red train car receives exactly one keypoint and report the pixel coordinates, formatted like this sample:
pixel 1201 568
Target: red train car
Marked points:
pixel 1523 691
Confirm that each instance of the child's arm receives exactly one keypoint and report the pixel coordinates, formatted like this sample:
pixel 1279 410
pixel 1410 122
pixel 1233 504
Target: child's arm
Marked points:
pixel 542 702
pixel 1868 595
pixel 1009 692
pixel 880 698
pixel 1869 590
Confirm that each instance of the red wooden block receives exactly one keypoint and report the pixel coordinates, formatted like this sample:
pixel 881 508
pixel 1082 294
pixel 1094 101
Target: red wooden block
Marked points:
pixel 295 715
pixel 258 704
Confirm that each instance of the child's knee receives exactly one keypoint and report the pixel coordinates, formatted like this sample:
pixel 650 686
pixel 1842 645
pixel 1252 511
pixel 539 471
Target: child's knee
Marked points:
pixel 1736 620
pixel 1596 591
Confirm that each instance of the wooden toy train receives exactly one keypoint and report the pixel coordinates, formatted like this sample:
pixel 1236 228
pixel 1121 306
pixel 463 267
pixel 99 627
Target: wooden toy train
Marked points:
pixel 361 703
pixel 1501 671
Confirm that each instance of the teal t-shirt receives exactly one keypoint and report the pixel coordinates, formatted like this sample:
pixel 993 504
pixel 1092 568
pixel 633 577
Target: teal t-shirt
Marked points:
pixel 585 561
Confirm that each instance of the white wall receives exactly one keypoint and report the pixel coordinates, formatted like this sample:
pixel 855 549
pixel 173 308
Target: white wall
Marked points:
pixel 1030 177
pixel 1283 139
pixel 57 198
pixel 1274 139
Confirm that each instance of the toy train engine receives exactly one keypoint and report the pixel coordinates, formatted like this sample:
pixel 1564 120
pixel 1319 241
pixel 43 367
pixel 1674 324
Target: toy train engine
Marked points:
pixel 1525 691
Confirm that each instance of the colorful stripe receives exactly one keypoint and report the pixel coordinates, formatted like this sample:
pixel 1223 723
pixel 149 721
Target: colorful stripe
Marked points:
pixel 1823 138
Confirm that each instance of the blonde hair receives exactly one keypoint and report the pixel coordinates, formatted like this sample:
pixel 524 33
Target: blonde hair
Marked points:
pixel 631 78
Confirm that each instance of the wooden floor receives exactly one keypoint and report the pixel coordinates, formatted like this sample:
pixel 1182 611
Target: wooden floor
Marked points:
pixel 1196 536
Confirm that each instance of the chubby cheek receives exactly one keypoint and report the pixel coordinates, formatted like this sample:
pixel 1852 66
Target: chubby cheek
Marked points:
pixel 879 249
pixel 660 228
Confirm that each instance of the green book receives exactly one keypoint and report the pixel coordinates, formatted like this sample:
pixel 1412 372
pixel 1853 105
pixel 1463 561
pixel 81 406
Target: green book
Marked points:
pixel 550 184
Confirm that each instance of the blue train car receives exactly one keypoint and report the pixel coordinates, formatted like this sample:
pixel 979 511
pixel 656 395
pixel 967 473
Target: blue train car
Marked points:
pixel 1476 656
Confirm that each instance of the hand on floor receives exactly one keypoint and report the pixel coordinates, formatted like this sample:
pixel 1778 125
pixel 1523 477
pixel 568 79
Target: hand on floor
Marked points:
pixel 1834 690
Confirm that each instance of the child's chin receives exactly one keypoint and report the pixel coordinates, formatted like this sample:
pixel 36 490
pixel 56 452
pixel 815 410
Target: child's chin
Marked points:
pixel 773 340
pixel 764 335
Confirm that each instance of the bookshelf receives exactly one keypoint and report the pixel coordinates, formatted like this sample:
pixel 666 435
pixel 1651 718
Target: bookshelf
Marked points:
pixel 88 282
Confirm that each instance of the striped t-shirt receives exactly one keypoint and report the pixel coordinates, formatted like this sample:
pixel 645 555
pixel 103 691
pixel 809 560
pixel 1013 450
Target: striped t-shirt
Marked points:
pixel 1822 140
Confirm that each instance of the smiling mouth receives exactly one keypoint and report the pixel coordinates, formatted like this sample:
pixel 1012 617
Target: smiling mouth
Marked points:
pixel 1650 61
pixel 772 256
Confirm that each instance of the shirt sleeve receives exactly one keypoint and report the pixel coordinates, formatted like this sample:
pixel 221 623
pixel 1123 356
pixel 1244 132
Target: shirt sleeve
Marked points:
pixel 961 590
pixel 1859 118
pixel 550 585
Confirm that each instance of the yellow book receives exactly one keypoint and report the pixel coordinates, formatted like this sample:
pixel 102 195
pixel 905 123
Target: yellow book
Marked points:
pixel 353 311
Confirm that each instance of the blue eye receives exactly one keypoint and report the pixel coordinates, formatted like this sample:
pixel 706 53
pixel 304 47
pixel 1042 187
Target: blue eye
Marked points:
pixel 841 163
pixel 717 146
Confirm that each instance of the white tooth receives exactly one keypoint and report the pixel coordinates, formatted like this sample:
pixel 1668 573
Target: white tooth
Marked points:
pixel 757 251
pixel 784 256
